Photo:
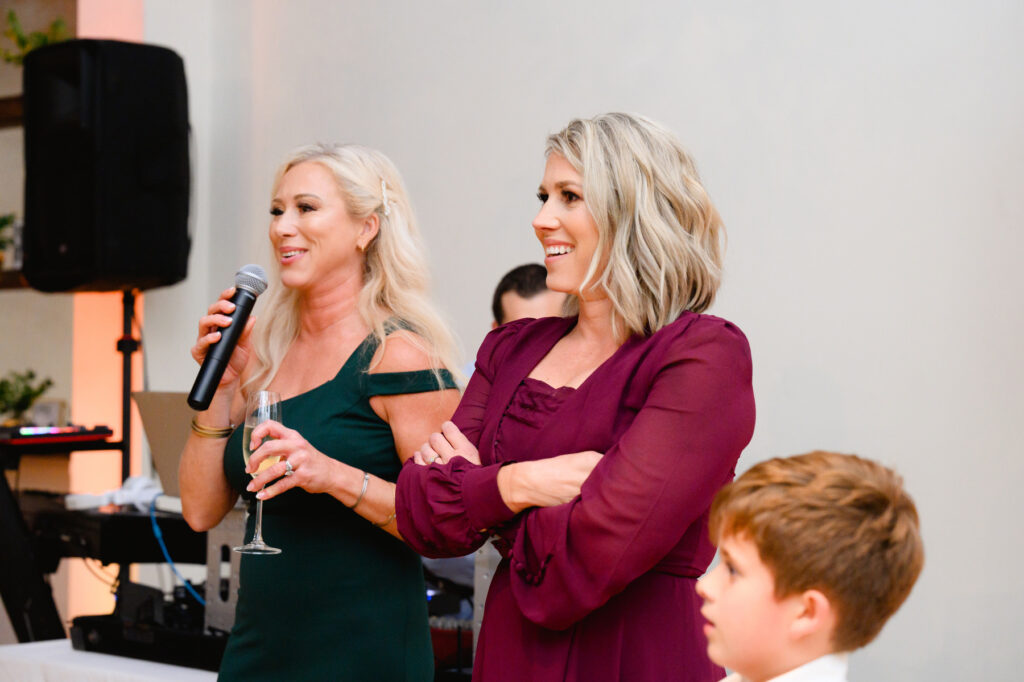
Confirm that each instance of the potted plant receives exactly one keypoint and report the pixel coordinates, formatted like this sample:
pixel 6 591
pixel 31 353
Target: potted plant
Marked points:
pixel 18 390
pixel 26 42
pixel 5 239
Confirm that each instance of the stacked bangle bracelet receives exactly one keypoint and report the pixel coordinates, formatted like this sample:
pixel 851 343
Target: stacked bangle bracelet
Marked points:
pixel 208 432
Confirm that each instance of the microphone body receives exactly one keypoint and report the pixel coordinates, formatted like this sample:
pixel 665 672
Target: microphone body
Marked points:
pixel 248 285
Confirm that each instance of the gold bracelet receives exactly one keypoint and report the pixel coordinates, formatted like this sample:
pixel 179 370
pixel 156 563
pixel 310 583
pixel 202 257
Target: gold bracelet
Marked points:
pixel 209 432
pixel 386 521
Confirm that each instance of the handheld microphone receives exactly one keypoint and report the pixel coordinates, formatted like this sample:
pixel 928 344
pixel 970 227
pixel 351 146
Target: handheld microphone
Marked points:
pixel 250 282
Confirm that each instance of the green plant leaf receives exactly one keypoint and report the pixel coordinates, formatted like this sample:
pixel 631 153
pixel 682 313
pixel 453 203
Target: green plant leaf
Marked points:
pixel 5 222
pixel 56 32
pixel 15 33
pixel 18 391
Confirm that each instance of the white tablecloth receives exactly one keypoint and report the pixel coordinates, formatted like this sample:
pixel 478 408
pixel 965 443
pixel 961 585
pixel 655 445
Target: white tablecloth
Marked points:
pixel 56 661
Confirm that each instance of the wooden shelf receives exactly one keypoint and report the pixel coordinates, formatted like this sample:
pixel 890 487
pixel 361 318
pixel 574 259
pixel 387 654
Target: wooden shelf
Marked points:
pixel 12 279
pixel 10 111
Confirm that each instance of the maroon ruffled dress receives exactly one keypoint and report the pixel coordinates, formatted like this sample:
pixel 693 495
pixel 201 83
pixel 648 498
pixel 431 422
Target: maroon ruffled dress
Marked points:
pixel 601 588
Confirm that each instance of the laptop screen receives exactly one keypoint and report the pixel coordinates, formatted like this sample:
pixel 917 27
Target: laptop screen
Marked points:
pixel 165 419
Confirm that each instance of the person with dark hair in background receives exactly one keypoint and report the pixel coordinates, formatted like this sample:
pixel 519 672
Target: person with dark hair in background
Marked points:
pixel 523 292
pixel 592 445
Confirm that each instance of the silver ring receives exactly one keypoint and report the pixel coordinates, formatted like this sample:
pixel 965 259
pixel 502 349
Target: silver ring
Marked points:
pixel 288 468
pixel 433 459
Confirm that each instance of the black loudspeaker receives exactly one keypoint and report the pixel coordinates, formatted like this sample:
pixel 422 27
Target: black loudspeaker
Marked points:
pixel 106 167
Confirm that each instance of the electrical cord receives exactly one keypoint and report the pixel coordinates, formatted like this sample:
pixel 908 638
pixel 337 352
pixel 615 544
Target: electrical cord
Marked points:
pixel 152 505
pixel 163 548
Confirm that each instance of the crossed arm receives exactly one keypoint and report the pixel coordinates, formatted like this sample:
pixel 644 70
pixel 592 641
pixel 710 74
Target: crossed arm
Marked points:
pixel 633 509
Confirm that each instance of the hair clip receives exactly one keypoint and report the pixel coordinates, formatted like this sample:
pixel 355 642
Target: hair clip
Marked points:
pixel 384 197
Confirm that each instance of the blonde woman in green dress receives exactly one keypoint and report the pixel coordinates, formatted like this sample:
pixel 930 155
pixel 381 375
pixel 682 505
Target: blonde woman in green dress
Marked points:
pixel 349 339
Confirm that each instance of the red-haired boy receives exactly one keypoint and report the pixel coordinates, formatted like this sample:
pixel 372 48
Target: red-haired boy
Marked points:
pixel 817 551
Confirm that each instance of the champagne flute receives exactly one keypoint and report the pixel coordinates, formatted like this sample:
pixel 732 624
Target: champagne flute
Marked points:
pixel 260 407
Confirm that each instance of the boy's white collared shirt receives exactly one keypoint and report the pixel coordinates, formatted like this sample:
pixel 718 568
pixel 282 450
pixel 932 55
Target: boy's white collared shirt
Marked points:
pixel 831 668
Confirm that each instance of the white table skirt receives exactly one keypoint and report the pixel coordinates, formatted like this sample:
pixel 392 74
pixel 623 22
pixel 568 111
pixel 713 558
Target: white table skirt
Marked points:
pixel 56 661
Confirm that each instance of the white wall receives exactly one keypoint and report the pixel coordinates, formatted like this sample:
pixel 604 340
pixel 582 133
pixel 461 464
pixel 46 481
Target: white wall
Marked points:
pixel 35 328
pixel 867 159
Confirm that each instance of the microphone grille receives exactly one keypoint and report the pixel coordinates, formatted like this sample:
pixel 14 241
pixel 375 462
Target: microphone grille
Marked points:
pixel 253 278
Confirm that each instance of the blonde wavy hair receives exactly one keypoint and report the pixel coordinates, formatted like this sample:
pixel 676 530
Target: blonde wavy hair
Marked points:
pixel 657 227
pixel 395 276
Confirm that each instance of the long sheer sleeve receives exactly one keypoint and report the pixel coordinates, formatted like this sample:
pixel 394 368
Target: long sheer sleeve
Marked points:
pixel 448 510
pixel 657 480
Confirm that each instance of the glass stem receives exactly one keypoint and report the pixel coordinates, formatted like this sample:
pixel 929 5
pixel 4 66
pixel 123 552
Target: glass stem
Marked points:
pixel 258 536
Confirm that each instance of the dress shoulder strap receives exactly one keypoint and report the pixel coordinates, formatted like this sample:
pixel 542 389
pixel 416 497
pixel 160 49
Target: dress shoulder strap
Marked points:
pixel 419 381
pixel 396 383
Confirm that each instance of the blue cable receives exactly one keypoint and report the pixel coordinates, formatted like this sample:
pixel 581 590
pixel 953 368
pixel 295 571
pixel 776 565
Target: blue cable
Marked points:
pixel 163 548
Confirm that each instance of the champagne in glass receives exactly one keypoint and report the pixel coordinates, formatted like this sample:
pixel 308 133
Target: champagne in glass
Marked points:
pixel 260 407
pixel 246 453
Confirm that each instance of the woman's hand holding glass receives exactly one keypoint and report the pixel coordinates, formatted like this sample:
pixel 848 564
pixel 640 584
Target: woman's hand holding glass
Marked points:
pixel 310 469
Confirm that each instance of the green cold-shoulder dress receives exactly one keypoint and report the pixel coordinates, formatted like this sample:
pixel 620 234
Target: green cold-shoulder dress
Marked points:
pixel 344 600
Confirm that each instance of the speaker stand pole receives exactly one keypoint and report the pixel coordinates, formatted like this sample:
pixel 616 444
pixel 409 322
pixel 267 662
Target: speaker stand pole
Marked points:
pixel 127 345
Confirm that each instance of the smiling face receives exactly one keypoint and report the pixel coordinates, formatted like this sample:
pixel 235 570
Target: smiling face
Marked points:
pixel 747 626
pixel 565 227
pixel 315 239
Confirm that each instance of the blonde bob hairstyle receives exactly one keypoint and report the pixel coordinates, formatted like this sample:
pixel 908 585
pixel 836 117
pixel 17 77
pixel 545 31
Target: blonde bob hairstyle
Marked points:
pixel 657 229
pixel 395 274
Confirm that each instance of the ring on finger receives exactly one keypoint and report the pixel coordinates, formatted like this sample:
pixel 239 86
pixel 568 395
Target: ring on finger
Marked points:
pixel 432 459
pixel 288 468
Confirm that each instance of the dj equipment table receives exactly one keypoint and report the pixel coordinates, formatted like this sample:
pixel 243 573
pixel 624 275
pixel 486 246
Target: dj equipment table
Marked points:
pixel 36 531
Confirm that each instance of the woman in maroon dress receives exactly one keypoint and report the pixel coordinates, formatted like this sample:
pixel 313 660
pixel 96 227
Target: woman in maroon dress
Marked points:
pixel 601 553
